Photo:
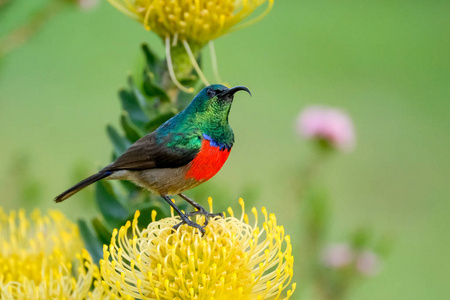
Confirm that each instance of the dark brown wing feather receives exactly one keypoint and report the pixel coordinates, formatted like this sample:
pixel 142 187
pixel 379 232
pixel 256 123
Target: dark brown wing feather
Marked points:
pixel 147 153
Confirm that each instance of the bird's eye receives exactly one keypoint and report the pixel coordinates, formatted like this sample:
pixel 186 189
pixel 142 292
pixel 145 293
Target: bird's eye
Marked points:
pixel 211 93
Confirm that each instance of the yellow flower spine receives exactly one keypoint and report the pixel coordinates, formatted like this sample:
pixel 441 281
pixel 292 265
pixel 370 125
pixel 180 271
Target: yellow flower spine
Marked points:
pixel 182 255
pixel 54 284
pixel 196 21
pixel 30 246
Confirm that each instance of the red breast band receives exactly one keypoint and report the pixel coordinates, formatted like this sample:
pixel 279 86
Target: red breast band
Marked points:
pixel 208 162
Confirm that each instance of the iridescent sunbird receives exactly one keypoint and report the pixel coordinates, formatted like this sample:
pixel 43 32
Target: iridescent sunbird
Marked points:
pixel 182 153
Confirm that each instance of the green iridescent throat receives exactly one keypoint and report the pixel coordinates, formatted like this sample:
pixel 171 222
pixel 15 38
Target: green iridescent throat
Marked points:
pixel 205 115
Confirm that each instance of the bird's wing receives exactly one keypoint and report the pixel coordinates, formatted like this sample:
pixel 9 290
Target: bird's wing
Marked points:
pixel 172 151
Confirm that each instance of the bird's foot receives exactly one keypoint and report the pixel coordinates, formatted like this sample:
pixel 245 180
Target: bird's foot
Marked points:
pixel 205 213
pixel 185 220
pixel 184 217
pixel 200 211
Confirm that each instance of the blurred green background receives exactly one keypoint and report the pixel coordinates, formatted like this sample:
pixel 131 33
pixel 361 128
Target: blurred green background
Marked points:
pixel 386 62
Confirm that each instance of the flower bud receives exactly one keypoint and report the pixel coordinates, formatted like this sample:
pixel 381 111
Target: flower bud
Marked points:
pixel 326 124
pixel 337 256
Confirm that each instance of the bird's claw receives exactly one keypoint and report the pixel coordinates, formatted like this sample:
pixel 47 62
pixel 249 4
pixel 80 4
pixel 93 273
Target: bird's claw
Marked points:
pixel 205 213
pixel 201 212
pixel 192 224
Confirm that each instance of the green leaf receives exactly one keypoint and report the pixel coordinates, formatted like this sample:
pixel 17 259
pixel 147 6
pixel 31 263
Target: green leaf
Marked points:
pixel 133 102
pixel 91 242
pixel 152 89
pixel 190 80
pixel 142 101
pixel 112 210
pixel 120 143
pixel 150 56
pixel 132 132
pixel 103 234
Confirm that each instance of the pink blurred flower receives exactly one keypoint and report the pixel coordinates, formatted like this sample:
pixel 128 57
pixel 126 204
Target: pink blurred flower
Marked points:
pixel 326 123
pixel 367 263
pixel 338 256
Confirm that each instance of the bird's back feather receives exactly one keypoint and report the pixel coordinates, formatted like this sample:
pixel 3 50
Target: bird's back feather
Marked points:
pixel 152 152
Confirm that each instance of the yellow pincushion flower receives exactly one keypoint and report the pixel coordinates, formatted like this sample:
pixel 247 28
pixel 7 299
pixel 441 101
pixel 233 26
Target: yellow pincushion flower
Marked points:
pixel 66 283
pixel 233 260
pixel 27 246
pixel 192 23
pixel 42 258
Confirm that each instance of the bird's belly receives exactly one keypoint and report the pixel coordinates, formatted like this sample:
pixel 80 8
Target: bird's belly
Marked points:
pixel 167 181
pixel 172 181
pixel 207 162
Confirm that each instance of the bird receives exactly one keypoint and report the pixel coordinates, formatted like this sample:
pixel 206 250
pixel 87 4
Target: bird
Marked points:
pixel 185 151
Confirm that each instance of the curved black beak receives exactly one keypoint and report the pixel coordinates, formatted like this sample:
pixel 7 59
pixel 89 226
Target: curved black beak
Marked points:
pixel 233 90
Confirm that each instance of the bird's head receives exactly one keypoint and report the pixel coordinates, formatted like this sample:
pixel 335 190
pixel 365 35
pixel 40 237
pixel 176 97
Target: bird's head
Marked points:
pixel 215 101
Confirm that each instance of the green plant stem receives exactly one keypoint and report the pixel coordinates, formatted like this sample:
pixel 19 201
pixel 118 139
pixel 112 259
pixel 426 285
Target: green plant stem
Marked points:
pixel 23 33
pixel 312 170
pixel 313 207
pixel 182 68
pixel 171 90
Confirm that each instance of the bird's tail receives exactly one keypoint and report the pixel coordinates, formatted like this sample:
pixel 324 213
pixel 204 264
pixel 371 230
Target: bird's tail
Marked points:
pixel 82 184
